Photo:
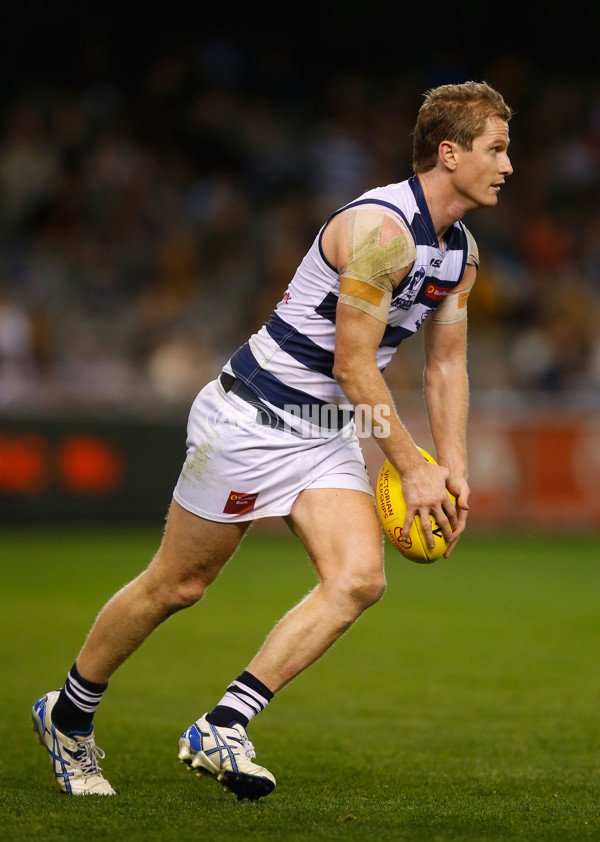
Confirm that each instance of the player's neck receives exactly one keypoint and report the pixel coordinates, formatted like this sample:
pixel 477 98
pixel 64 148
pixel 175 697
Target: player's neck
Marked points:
pixel 445 207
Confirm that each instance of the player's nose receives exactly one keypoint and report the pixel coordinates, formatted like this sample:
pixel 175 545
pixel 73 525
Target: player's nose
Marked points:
pixel 506 166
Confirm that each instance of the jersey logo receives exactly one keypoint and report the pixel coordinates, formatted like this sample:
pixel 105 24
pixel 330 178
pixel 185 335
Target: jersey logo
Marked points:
pixel 409 291
pixel 436 261
pixel 435 293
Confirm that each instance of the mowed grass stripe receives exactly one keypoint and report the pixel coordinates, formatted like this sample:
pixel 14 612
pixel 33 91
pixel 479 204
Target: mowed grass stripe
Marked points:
pixel 463 706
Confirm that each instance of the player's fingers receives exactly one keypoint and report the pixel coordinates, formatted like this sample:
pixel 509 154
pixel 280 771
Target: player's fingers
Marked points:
pixel 408 520
pixel 456 535
pixel 463 513
pixel 459 529
pixel 462 501
pixel 427 527
pixel 450 510
pixel 445 523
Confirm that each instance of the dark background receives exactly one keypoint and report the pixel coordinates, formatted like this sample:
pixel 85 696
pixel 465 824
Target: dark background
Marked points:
pixel 163 170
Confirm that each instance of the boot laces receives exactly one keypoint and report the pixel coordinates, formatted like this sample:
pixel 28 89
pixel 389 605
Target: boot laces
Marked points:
pixel 244 742
pixel 248 749
pixel 87 756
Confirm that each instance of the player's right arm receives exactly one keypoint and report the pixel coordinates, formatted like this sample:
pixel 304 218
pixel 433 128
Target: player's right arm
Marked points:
pixel 360 325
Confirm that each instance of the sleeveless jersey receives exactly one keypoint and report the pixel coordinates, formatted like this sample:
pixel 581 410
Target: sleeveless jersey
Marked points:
pixel 289 361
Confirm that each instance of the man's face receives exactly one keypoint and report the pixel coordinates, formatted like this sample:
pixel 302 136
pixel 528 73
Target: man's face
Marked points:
pixel 481 171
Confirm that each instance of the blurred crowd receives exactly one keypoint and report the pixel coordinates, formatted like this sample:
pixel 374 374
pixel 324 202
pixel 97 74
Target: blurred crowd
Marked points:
pixel 148 225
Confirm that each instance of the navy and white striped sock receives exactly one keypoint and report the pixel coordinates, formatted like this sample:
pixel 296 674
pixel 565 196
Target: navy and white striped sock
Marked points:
pixel 75 707
pixel 245 697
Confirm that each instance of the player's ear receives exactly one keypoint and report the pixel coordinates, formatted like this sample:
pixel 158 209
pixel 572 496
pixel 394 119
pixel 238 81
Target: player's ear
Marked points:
pixel 447 152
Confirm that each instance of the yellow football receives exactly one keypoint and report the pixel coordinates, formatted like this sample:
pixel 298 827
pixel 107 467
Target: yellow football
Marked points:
pixel 391 508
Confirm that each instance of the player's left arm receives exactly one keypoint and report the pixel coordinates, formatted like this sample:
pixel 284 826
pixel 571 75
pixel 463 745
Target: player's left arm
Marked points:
pixel 446 387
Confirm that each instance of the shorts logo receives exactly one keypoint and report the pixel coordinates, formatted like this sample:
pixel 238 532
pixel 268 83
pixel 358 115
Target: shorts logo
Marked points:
pixel 238 503
pixel 436 292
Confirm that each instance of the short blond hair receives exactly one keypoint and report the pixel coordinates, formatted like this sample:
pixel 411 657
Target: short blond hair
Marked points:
pixel 457 113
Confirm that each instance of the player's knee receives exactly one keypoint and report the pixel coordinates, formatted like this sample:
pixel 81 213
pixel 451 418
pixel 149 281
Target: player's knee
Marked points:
pixel 366 590
pixel 185 594
pixel 170 596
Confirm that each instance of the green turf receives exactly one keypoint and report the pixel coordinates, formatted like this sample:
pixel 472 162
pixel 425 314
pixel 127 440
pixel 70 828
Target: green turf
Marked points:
pixel 464 706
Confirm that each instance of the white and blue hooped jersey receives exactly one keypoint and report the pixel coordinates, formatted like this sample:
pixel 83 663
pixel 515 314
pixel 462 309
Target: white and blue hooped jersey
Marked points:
pixel 289 361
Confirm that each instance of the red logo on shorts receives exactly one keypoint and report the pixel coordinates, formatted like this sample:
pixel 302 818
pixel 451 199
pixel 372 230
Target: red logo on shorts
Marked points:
pixel 239 504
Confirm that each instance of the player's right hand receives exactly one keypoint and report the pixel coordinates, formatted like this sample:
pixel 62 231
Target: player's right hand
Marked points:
pixel 425 492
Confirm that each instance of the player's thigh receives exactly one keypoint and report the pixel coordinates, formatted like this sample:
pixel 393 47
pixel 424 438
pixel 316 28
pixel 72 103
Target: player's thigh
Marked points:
pixel 194 549
pixel 340 531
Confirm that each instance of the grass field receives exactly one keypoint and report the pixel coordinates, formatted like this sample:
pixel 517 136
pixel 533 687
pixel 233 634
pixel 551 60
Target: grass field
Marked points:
pixel 464 706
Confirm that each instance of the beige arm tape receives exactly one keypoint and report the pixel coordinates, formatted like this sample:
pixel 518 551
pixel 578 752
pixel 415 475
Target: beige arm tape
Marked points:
pixel 473 255
pixel 452 309
pixel 365 281
pixel 454 306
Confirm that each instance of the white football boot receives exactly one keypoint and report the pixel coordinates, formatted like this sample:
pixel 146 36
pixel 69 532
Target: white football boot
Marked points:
pixel 225 754
pixel 74 759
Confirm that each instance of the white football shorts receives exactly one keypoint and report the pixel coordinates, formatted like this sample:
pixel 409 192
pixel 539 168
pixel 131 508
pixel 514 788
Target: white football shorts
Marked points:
pixel 237 469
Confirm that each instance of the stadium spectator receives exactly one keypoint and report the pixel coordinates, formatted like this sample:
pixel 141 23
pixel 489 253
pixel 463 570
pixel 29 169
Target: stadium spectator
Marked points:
pixel 111 193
